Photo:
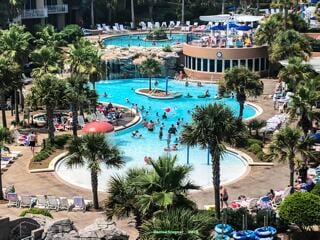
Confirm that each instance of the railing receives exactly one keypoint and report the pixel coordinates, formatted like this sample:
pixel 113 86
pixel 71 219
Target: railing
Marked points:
pixel 34 13
pixel 56 9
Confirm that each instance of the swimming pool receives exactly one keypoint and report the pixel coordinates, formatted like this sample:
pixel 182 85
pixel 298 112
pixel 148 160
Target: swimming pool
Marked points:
pixel 135 149
pixel 138 40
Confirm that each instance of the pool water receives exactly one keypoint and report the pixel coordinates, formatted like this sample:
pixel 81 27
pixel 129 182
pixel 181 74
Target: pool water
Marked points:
pixel 138 40
pixel 135 149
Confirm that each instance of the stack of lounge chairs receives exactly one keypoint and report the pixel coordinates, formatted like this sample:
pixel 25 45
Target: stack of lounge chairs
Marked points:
pixel 77 203
pixel 274 123
pixel 8 157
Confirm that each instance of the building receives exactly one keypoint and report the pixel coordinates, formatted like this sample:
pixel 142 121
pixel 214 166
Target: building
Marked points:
pixel 44 12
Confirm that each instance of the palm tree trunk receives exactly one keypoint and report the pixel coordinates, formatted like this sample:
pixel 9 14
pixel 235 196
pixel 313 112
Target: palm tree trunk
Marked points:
pixel 215 158
pixel 149 83
pixel 3 111
pixel 21 99
pixel 92 14
pixel 74 120
pixel 151 12
pixel 51 129
pixel 94 186
pixel 16 106
pixel 182 12
pixel 110 15
pixel 241 110
pixel 133 20
pixel 291 167
pixel 1 192
pixel 222 6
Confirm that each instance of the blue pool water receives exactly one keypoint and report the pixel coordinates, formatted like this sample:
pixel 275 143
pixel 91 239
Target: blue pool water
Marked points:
pixel 138 40
pixel 135 149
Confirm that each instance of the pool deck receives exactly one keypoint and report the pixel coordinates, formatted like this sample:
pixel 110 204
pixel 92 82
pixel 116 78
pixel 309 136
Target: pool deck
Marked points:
pixel 256 183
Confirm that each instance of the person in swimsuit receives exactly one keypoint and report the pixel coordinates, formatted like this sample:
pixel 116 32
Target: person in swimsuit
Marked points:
pixel 32 141
pixel 223 196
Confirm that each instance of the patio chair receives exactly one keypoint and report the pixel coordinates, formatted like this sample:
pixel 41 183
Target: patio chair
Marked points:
pixel 177 24
pixel 122 29
pixel 157 25
pixel 171 25
pixel 252 204
pixel 26 201
pixel 99 27
pixel 149 25
pixel 143 26
pixel 78 204
pixel 115 29
pixel 63 204
pixel 41 201
pixel 188 23
pixel 52 203
pixel 13 199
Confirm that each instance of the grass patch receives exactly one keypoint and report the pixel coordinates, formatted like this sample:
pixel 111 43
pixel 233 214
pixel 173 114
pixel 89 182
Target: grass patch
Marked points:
pixel 38 211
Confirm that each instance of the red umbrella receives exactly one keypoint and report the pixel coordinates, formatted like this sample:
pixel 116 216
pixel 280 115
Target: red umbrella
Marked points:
pixel 98 127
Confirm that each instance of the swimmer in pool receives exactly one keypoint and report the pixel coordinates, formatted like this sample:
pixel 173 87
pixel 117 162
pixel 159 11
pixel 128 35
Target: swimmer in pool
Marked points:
pixel 105 94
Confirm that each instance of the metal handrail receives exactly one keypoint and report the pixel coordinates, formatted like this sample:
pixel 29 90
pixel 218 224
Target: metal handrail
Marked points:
pixel 20 230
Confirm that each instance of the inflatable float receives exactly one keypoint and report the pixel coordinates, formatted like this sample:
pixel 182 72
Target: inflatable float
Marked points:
pixel 203 96
pixel 244 235
pixel 223 228
pixel 265 233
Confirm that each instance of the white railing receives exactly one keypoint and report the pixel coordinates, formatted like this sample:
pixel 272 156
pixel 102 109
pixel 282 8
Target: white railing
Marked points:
pixel 34 13
pixel 56 9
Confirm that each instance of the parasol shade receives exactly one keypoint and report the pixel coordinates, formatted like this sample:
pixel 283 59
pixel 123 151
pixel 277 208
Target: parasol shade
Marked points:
pixel 98 127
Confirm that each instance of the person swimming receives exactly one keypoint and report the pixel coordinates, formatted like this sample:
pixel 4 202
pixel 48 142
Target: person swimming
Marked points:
pixel 207 93
pixel 199 84
pixel 127 100
pixel 187 83
pixel 105 94
pixel 136 134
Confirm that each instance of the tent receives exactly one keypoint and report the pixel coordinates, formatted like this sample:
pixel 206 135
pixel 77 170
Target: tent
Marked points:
pixel 244 28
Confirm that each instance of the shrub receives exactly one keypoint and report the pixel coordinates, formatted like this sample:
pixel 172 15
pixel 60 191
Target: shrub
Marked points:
pixel 234 217
pixel 167 48
pixel 39 211
pixel 316 189
pixel 61 140
pixel 70 33
pixel 255 148
pixel 303 209
pixel 251 141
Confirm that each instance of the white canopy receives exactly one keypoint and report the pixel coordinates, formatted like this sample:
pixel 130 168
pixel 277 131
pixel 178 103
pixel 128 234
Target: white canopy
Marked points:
pixel 229 18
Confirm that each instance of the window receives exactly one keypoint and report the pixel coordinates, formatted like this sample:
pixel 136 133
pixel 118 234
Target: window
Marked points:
pixel 205 65
pixel 193 63
pixel 226 64
pixel 257 64
pixel 186 59
pixel 267 63
pixel 212 67
pixel 219 65
pixel 262 64
pixel 198 64
pixel 235 63
pixel 250 64
pixel 242 62
pixel 190 59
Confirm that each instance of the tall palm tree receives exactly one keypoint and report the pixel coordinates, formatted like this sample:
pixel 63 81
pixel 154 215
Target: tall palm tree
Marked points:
pixel 9 70
pixel 288 146
pixel 5 137
pixel 303 103
pixel 46 59
pixel 296 71
pixel 133 19
pixel 47 91
pixel 244 82
pixel 290 43
pixel 285 5
pixel 192 224
pixel 151 4
pixel 212 127
pixel 150 67
pixel 92 150
pixel 143 192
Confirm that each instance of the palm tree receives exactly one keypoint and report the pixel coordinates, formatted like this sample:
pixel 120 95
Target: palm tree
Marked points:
pixel 46 59
pixel 150 67
pixel 151 4
pixel 192 225
pixel 285 5
pixel 287 145
pixel 295 72
pixel 303 103
pixel 143 192
pixel 47 91
pixel 244 82
pixel 91 150
pixel 290 43
pixel 212 127
pixel 133 19
pixel 8 77
pixel 256 124
pixel 5 137
pixel 47 36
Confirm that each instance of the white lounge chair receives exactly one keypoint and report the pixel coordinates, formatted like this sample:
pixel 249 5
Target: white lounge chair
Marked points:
pixel 41 201
pixel 26 201
pixel 143 26
pixel 52 203
pixel 149 25
pixel 106 29
pixel 188 23
pixel 171 25
pixel 252 204
pixel 122 29
pixel 195 24
pixel 81 121
pixel 131 25
pixel 156 25
pixel 115 29
pixel 177 24
pixel 99 27
pixel 63 204
pixel 164 25
pixel 13 200
pixel 78 204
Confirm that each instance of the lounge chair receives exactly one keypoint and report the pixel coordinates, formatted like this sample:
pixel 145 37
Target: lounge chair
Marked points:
pixel 149 25
pixel 171 25
pixel 63 204
pixel 26 201
pixel 81 121
pixel 122 29
pixel 115 29
pixel 143 26
pixel 13 199
pixel 252 204
pixel 164 25
pixel 195 24
pixel 99 27
pixel 157 25
pixel 78 204
pixel 177 24
pixel 26 80
pixel 188 23
pixel 41 201
pixel 52 203
pixel 131 25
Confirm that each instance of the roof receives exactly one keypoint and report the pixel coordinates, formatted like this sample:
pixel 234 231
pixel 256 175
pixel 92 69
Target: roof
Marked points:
pixel 314 62
pixel 228 17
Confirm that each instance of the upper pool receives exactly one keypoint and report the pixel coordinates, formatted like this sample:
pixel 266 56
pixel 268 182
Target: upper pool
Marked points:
pixel 138 40
pixel 135 149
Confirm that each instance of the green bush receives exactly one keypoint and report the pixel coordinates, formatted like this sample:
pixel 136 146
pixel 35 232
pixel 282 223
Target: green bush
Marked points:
pixel 303 209
pixel 234 217
pixel 70 33
pixel 39 211
pixel 251 141
pixel 255 148
pixel 167 48
pixel 61 140
pixel 316 189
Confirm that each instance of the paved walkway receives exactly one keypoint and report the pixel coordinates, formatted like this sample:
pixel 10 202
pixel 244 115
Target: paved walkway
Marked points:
pixel 256 183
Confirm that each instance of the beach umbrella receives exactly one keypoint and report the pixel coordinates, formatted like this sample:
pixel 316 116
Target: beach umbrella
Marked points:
pixel 217 28
pixel 244 28
pixel 98 127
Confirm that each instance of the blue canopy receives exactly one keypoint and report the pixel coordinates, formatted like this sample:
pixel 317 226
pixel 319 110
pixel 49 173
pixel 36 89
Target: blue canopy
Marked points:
pixel 316 137
pixel 244 28
pixel 232 8
pixel 224 27
pixel 217 27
